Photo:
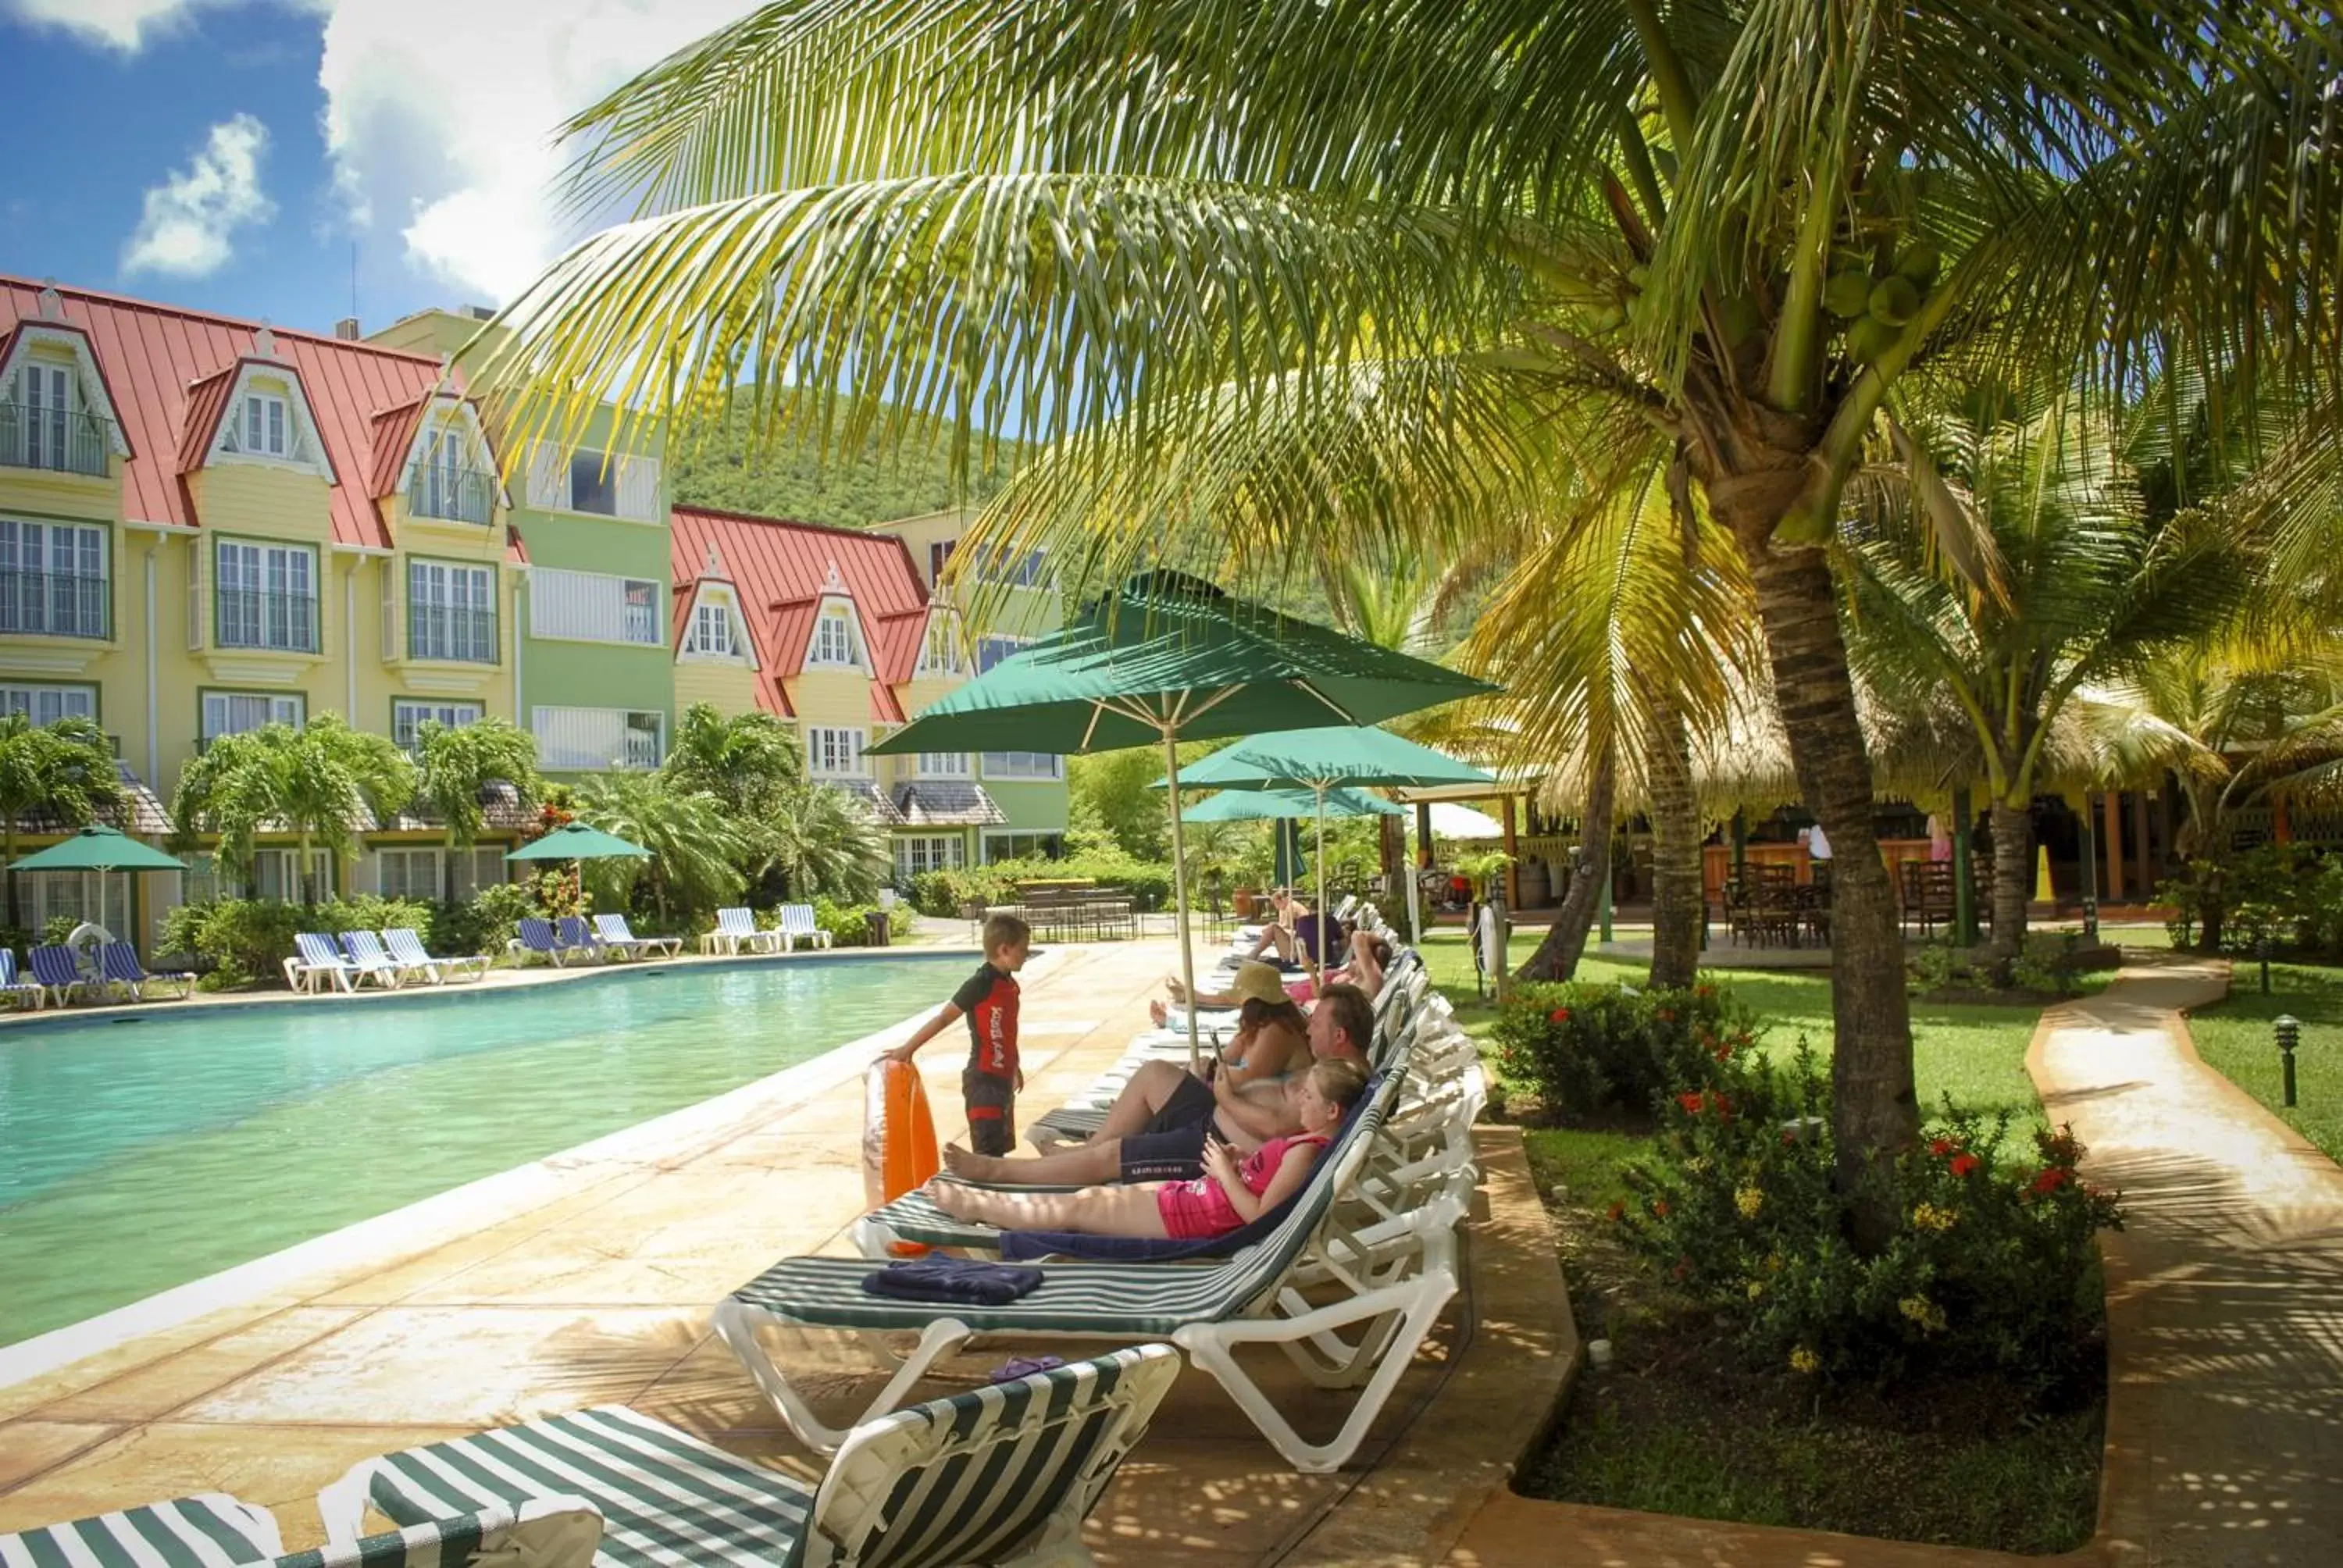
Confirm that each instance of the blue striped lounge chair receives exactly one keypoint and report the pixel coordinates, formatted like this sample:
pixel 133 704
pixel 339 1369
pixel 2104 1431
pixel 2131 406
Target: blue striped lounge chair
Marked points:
pixel 117 963
pixel 1004 1473
pixel 1207 1308
pixel 213 1530
pixel 614 930
pixel 57 972
pixel 538 936
pixel 578 937
pixel 315 960
pixel 369 961
pixel 735 929
pixel 407 948
pixel 797 920
pixel 14 986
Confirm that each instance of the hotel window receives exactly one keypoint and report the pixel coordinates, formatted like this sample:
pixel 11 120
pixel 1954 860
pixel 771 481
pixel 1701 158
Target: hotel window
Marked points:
pixel 275 874
pixel 408 715
pixel 52 580
pixel 408 874
pixel 48 704
pixel 1030 569
pixel 710 631
pixel 1024 765
pixel 43 426
pixel 943 764
pixel 236 712
pixel 940 555
pixel 264 424
pixel 589 740
pixel 267 596
pixel 836 752
pixel 1013 846
pixel 588 607
pixel 936 852
pixel 451 612
pixel 834 642
pixel 991 650
pixel 939 652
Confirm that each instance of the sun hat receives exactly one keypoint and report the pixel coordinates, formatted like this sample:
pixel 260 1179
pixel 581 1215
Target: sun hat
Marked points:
pixel 1257 981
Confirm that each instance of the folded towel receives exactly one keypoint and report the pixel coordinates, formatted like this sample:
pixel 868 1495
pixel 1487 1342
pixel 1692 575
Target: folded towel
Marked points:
pixel 966 1280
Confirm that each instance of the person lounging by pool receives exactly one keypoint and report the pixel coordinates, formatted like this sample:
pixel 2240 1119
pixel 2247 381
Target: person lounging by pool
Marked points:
pixel 1369 956
pixel 1232 1191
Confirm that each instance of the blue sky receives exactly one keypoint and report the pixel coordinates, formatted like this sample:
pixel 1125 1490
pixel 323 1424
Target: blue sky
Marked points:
pixel 228 153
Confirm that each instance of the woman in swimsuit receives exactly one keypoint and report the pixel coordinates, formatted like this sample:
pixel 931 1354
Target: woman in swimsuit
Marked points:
pixel 1228 1194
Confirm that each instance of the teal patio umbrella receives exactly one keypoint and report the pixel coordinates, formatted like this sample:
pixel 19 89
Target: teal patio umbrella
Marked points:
pixel 1289 866
pixel 1323 760
pixel 1168 657
pixel 100 849
pixel 577 842
pixel 1254 805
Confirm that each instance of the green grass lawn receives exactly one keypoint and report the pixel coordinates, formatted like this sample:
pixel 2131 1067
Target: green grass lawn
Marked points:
pixel 2235 1039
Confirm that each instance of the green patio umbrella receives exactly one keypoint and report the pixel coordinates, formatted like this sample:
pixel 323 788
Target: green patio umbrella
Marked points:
pixel 1289 865
pixel 1165 658
pixel 1325 759
pixel 100 849
pixel 1254 805
pixel 577 842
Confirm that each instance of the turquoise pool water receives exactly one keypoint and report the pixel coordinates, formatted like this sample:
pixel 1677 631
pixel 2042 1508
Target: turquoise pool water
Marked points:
pixel 140 1155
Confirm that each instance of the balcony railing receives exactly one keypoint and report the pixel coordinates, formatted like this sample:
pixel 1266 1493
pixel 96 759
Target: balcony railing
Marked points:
pixel 437 631
pixel 454 494
pixel 262 618
pixel 62 440
pixel 56 604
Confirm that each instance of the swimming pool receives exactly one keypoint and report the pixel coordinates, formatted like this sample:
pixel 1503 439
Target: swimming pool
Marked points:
pixel 140 1155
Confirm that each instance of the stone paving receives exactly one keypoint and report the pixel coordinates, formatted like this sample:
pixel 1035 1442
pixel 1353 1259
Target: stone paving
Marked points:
pixel 591 1282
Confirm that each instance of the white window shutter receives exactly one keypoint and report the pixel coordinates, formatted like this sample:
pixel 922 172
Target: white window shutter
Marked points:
pixel 639 486
pixel 389 613
pixel 549 478
pixel 195 597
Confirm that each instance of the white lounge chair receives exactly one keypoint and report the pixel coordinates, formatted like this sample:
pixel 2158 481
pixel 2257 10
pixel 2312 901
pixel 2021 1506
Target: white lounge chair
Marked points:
pixel 317 959
pixel 213 1530
pixel 797 920
pixel 407 949
pixel 613 929
pixel 735 929
pixel 1001 1474
pixel 373 963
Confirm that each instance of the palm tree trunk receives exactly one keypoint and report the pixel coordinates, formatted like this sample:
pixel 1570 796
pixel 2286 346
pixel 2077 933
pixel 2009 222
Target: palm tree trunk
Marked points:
pixel 1678 897
pixel 1557 956
pixel 10 875
pixel 2013 870
pixel 1874 1111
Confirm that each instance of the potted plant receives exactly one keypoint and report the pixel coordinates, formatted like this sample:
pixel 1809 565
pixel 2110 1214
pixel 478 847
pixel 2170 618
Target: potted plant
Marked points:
pixel 1483 869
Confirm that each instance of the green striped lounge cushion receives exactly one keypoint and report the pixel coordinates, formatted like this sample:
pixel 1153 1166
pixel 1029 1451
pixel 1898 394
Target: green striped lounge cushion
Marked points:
pixel 667 1498
pixel 215 1531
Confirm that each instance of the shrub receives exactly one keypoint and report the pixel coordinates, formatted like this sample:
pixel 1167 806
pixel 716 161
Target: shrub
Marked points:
pixel 484 922
pixel 244 939
pixel 57 928
pixel 948 892
pixel 846 922
pixel 1587 1048
pixel 1992 1264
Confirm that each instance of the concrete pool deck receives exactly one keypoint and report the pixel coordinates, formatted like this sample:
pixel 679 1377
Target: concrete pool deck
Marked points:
pixel 592 1282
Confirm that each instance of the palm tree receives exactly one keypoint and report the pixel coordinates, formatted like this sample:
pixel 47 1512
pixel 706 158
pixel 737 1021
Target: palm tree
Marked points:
pixel 824 842
pixel 746 760
pixel 318 783
pixel 696 843
pixel 459 765
pixel 2081 584
pixel 62 770
pixel 1278 276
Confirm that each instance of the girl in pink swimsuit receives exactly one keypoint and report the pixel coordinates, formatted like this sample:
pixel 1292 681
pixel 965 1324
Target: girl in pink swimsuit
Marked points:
pixel 1228 1194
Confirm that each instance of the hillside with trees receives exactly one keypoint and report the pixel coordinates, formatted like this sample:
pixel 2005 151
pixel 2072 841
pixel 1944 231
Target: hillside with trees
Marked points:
pixel 723 467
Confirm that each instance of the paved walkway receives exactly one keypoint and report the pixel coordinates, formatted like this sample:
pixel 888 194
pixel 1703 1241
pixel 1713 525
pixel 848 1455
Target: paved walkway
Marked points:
pixel 2225 1310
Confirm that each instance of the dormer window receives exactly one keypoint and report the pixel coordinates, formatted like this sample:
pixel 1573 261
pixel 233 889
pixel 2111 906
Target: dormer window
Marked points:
pixel 710 631
pixel 836 640
pixel 263 426
pixel 940 651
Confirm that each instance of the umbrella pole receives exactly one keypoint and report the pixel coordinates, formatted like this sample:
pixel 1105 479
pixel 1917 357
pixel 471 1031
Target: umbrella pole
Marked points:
pixel 1412 893
pixel 1325 944
pixel 1179 898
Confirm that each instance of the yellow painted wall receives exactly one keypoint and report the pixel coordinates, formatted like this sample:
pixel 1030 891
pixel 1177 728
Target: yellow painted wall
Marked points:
pixel 262 500
pixel 729 684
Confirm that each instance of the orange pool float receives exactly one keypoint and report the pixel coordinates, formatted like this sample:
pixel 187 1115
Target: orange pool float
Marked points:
pixel 898 1137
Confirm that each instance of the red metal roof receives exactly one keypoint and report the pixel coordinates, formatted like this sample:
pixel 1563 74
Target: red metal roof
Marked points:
pixel 168 371
pixel 781 568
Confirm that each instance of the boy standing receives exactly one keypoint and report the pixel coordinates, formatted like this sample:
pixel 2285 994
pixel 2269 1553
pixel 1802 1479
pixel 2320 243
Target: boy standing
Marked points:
pixel 988 1000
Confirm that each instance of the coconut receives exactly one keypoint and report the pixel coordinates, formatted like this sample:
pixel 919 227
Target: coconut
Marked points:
pixel 1895 301
pixel 1848 295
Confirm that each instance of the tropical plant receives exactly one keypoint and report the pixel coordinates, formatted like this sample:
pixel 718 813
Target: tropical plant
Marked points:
pixel 457 765
pixel 2082 583
pixel 1267 279
pixel 696 844
pixel 747 761
pixel 62 770
pixel 319 783
pixel 824 842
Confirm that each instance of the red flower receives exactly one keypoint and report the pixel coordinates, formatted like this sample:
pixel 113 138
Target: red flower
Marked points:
pixel 1684 1268
pixel 1559 1015
pixel 1704 990
pixel 1941 1147
pixel 1691 1102
pixel 1723 1106
pixel 1789 1136
pixel 2052 1177
pixel 1659 1207
pixel 1965 1163
pixel 1618 1211
pixel 1667 1015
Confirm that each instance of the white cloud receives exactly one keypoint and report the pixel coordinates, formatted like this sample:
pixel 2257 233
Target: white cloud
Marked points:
pixel 122 23
pixel 439 116
pixel 189 217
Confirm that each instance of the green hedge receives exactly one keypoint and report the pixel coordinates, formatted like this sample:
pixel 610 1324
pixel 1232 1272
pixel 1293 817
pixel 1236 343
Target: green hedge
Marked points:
pixel 948 893
pixel 1588 1047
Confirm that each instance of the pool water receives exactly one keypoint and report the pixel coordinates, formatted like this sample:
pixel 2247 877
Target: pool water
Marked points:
pixel 141 1155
